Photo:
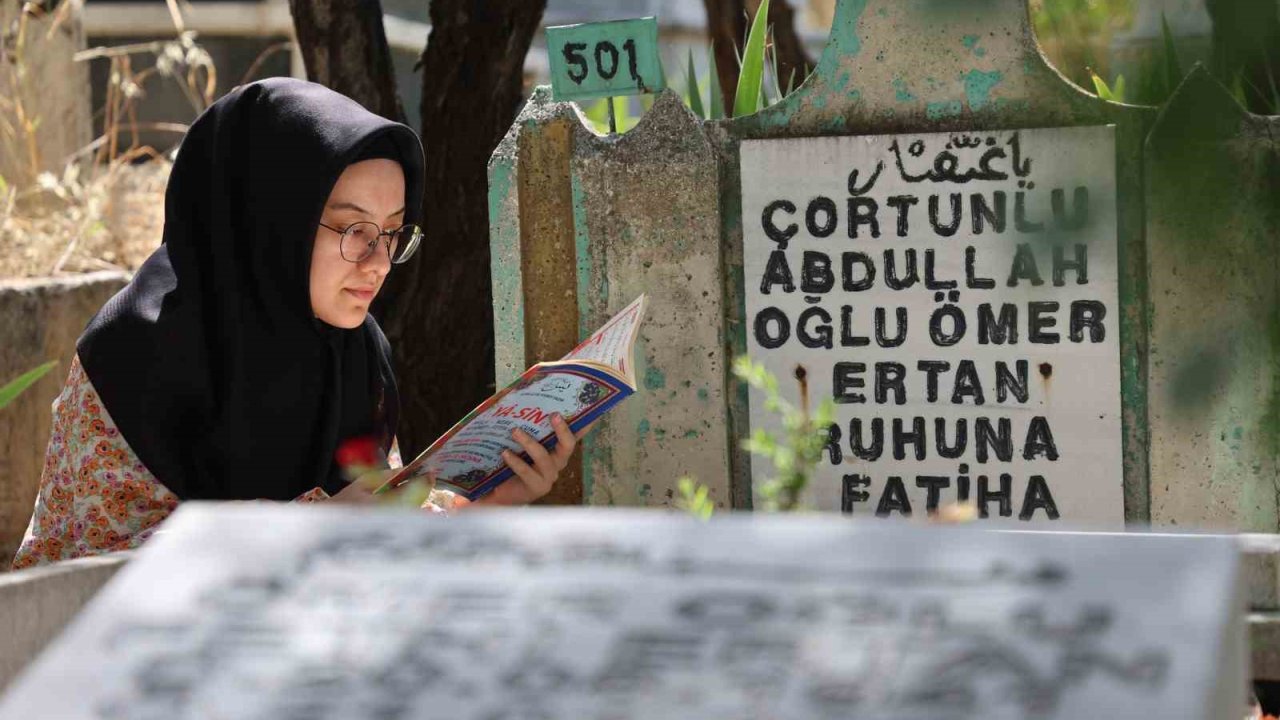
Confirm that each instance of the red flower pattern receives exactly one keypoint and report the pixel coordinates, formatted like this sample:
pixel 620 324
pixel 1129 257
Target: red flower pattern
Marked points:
pixel 95 495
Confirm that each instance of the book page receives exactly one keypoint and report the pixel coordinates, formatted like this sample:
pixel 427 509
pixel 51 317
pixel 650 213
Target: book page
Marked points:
pixel 468 458
pixel 611 344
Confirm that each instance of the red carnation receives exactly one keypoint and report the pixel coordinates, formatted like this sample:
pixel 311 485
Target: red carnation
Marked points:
pixel 358 452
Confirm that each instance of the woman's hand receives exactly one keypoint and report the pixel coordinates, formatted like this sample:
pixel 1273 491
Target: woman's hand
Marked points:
pixel 360 490
pixel 532 481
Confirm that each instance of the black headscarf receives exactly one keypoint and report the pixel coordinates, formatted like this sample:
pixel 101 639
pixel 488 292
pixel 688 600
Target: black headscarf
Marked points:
pixel 211 361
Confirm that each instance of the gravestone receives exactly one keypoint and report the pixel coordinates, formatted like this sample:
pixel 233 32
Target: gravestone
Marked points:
pixel 616 614
pixel 956 295
pixel 668 209
pixel 1212 226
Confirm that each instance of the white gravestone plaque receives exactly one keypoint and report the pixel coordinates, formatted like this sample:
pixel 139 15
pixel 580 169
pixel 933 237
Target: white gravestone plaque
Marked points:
pixel 957 295
pixel 260 612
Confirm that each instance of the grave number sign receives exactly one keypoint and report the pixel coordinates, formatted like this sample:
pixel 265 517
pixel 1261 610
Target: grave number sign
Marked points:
pixel 595 60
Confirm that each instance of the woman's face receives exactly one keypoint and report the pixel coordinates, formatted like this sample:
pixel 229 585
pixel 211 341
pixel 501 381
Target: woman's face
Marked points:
pixel 341 291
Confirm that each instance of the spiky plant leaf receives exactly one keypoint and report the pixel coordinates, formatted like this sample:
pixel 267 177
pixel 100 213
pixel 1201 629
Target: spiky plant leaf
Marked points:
pixel 750 78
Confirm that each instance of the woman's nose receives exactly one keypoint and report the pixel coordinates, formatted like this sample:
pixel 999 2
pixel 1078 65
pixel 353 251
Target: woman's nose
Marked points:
pixel 379 260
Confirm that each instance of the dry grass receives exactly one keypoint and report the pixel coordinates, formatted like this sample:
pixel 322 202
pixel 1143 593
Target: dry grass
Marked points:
pixel 105 208
pixel 110 220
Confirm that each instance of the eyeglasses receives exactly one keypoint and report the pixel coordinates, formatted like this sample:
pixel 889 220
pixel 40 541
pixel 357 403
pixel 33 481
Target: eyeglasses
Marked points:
pixel 359 240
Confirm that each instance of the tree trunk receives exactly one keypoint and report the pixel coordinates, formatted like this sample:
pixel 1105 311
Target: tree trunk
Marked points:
pixel 794 64
pixel 727 30
pixel 344 48
pixel 1246 44
pixel 437 310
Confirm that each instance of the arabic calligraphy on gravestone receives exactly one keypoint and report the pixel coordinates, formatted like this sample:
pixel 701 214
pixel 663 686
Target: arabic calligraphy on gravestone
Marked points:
pixel 956 294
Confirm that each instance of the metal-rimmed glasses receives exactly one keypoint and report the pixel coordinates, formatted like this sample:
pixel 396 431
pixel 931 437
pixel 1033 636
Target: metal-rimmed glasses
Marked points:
pixel 360 238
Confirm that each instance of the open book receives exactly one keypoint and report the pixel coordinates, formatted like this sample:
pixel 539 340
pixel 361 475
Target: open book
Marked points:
pixel 581 386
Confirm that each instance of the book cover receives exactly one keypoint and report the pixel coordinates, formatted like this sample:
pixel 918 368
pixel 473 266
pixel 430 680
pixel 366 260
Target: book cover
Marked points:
pixel 581 386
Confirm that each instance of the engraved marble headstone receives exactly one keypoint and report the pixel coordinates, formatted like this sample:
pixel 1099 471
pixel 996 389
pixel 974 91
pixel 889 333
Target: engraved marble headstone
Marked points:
pixel 956 295
pixel 246 611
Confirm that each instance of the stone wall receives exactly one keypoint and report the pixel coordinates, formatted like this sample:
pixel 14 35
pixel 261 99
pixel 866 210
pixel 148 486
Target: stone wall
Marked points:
pixel 36 604
pixel 39 321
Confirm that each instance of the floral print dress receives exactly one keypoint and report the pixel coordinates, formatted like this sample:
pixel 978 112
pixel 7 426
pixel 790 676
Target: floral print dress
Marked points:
pixel 95 495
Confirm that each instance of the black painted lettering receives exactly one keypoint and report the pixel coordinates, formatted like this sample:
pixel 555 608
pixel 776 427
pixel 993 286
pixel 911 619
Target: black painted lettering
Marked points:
pixel 934 484
pixel 1088 314
pixel 882 336
pixel 956 449
pixel 998 331
pixel 862 211
pixel 845 378
pixel 779 235
pixel 951 228
pixel 967 384
pixel 901 438
pixel 820 217
pixel 771 338
pixel 1004 497
pixel 889 378
pixel 1009 383
pixel 931 368
pixel 971 279
pixel 983 214
pixel 1079 265
pixel 1079 210
pixel 814 335
pixel 875 449
pixel 1038 497
pixel 1040 320
pixel 852 283
pixel 777 271
pixel 816 277
pixel 1039 440
pixel 902 203
pixel 893 499
pixel 998 440
pixel 1024 267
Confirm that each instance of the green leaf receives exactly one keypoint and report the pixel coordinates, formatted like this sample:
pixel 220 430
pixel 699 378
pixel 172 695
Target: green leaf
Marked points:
pixel 1117 92
pixel 1237 89
pixel 751 75
pixel 24 381
pixel 1172 68
pixel 715 105
pixel 694 92
pixel 1100 86
pixel 777 77
pixel 597 112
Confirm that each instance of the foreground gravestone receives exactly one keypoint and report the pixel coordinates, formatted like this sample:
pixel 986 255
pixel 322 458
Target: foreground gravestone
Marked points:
pixel 286 612
pixel 956 295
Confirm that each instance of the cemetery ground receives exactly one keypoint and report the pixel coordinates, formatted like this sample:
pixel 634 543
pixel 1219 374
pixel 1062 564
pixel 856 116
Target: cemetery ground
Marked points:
pixel 957 395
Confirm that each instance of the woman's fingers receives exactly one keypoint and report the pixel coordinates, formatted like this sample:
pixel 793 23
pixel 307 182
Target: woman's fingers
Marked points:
pixel 532 480
pixel 542 459
pixel 566 442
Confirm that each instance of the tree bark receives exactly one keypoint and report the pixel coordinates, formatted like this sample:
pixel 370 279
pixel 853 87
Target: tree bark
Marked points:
pixel 344 48
pixel 727 25
pixel 437 310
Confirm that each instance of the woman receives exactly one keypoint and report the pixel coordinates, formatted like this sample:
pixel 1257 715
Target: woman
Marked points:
pixel 241 357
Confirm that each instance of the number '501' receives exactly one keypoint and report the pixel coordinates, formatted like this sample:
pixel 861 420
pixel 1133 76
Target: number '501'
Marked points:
pixel 606 58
